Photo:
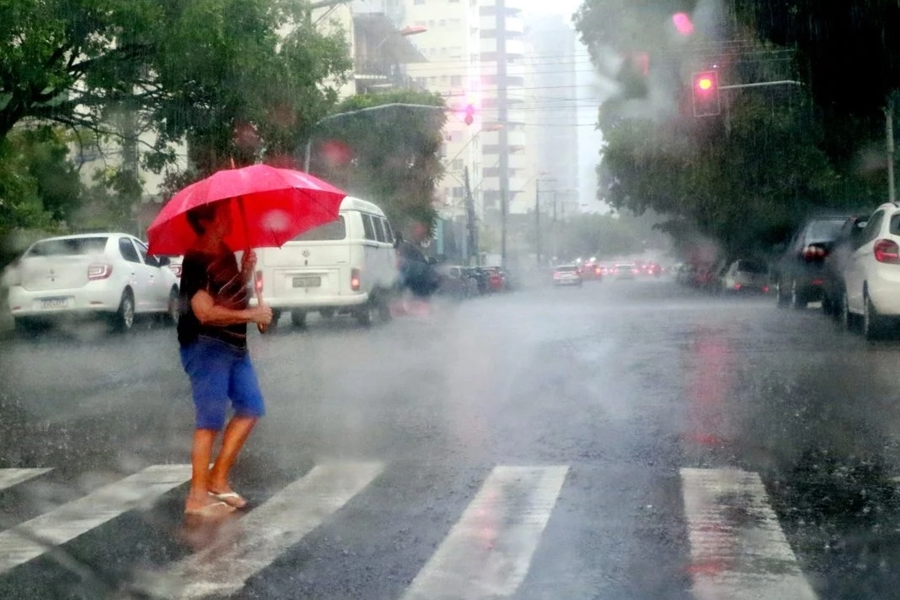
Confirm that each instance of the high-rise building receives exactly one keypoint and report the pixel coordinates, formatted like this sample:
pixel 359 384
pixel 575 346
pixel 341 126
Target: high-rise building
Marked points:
pixel 520 153
pixel 451 46
pixel 553 111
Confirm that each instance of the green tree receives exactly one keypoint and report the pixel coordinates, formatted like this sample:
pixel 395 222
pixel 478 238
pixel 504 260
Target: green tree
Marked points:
pixel 243 80
pixel 390 155
pixel 745 178
pixel 238 80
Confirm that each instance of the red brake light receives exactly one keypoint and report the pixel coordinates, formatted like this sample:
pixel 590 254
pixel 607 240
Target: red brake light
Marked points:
pixel 176 269
pixel 814 252
pixel 99 271
pixel 737 286
pixel 355 282
pixel 887 251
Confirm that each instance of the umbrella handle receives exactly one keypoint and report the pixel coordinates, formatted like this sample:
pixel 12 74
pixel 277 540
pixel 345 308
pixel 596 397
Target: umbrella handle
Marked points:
pixel 257 284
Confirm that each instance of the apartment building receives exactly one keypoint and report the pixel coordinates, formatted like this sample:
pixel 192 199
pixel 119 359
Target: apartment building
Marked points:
pixel 452 47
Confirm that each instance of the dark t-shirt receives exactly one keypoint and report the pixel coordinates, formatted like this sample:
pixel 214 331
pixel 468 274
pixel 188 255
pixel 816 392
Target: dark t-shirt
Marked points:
pixel 219 276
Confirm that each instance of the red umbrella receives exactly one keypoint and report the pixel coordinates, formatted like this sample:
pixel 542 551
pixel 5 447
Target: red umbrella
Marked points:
pixel 273 206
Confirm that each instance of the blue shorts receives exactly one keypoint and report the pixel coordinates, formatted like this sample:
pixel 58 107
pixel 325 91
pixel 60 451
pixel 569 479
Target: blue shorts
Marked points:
pixel 218 372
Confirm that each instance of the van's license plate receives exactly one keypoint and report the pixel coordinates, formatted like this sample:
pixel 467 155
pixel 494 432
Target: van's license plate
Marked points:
pixel 54 303
pixel 307 282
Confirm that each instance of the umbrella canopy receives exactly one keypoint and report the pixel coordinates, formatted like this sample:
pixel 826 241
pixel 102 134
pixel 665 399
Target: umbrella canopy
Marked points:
pixel 272 206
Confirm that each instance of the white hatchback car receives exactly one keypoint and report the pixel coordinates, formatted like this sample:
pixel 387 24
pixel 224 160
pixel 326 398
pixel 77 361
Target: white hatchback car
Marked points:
pixel 872 273
pixel 97 274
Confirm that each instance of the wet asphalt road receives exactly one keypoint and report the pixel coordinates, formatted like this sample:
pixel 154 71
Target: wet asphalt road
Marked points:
pixel 622 383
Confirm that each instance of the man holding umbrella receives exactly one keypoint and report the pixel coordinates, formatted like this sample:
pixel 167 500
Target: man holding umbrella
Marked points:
pixel 269 206
pixel 212 333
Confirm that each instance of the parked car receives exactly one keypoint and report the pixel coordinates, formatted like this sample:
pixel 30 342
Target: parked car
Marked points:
pixel 567 275
pixel 872 274
pixel 836 263
pixel 497 279
pixel 745 276
pixel 454 281
pixel 799 273
pixel 108 275
pixel 348 266
pixel 481 279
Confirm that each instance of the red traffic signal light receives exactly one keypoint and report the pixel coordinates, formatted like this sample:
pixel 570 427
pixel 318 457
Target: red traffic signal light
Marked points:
pixel 705 93
pixel 470 114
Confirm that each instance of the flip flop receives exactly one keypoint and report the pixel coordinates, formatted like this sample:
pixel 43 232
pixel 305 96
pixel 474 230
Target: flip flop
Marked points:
pixel 232 499
pixel 217 509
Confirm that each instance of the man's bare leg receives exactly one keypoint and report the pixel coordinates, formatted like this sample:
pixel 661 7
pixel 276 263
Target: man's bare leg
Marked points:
pixel 236 434
pixel 201 453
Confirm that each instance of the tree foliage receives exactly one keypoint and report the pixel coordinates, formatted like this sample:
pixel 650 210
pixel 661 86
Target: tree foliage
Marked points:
pixel 389 155
pixel 747 177
pixel 240 80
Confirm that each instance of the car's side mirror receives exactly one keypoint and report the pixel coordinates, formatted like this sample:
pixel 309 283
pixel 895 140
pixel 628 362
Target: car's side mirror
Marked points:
pixel 162 261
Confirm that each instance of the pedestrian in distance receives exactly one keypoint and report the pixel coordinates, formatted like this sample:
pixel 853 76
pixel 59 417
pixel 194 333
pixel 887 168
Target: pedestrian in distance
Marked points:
pixel 212 335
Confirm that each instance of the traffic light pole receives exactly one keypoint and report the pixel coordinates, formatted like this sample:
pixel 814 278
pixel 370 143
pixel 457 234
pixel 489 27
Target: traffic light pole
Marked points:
pixel 502 117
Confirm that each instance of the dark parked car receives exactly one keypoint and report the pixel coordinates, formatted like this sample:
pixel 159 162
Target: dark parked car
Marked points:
pixel 799 273
pixel 836 262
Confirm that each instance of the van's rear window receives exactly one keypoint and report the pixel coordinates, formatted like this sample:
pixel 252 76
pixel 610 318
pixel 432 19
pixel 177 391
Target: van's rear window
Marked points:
pixel 68 247
pixel 336 230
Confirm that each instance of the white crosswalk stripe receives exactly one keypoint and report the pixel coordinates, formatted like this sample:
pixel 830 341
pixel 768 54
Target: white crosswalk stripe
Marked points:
pixel 11 477
pixel 488 552
pixel 738 550
pixel 32 538
pixel 272 528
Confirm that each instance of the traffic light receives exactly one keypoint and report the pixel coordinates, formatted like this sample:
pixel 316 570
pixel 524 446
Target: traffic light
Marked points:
pixel 470 114
pixel 705 93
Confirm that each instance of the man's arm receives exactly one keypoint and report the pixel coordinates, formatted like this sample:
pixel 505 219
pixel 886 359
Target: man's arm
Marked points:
pixel 209 313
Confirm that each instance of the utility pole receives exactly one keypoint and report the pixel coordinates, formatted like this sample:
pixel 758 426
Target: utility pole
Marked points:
pixel 472 242
pixel 537 218
pixel 555 246
pixel 503 118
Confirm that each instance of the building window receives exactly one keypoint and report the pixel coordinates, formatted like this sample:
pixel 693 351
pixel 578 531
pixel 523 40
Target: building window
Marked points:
pixel 456 80
pixel 419 2
pixel 457 164
pixel 458 192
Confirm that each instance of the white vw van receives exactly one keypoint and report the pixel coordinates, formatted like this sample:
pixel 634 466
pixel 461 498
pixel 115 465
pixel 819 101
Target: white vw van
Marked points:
pixel 348 266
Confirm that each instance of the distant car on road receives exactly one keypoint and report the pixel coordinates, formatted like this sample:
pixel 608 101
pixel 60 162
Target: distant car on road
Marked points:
pixel 567 275
pixel 108 275
pixel 745 276
pixel 625 271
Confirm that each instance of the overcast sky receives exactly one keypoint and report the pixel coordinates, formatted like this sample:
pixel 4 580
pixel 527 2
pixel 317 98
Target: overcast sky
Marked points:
pixel 589 140
pixel 561 7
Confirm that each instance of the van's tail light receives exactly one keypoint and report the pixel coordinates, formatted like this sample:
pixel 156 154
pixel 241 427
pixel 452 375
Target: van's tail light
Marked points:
pixel 887 251
pixel 814 252
pixel 258 282
pixel 176 269
pixel 355 282
pixel 98 271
